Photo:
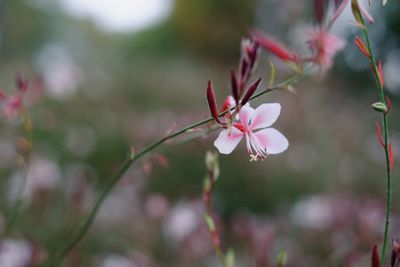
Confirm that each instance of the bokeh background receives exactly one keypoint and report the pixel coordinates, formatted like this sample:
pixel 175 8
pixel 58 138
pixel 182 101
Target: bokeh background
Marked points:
pixel 106 75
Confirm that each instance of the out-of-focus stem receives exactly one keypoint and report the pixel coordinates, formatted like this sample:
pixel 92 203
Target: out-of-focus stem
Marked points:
pixel 382 99
pixel 56 259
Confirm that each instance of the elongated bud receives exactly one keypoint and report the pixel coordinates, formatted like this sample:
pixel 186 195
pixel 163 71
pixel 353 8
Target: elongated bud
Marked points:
pixel 362 47
pixel 395 253
pixel 355 8
pixel 380 74
pixel 244 68
pixel 380 107
pixel 391 157
pixel 22 84
pixel 250 92
pixel 379 134
pixel 253 53
pixel 319 10
pixel 274 47
pixel 340 6
pixel 375 257
pixel 388 104
pixel 212 103
pixel 234 86
pixel 365 13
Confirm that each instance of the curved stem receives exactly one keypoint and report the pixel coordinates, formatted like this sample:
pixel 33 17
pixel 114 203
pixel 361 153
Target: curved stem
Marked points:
pixel 385 124
pixel 57 258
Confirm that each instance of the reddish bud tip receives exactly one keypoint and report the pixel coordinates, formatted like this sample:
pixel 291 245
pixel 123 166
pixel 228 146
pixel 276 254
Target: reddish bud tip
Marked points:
pixel 319 10
pixel 380 74
pixel 22 84
pixel 362 47
pixel 212 102
pixel 375 257
pixel 395 253
pixel 234 86
pixel 391 157
pixel 2 95
pixel 388 104
pixel 250 91
pixel 379 134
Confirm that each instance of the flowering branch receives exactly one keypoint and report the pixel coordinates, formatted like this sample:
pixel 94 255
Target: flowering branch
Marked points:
pixel 57 257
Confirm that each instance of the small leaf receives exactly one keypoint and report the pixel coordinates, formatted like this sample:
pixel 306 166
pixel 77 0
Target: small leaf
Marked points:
pixel 272 75
pixel 282 259
pixel 230 258
pixel 379 107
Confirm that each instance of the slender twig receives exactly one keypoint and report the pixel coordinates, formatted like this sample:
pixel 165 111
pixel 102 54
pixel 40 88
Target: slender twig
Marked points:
pixel 26 148
pixel 382 99
pixel 57 258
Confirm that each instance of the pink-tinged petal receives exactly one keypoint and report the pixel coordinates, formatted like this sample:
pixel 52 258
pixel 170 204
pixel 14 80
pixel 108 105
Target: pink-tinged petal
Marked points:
pixel 228 103
pixel 272 140
pixel 228 140
pixel 265 115
pixel 246 114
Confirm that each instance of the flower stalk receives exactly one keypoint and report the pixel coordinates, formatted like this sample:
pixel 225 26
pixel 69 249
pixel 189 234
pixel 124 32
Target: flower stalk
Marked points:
pixel 384 141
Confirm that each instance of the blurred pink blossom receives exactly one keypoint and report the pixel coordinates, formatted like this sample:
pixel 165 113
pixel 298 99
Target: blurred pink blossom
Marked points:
pixel 324 47
pixel 260 140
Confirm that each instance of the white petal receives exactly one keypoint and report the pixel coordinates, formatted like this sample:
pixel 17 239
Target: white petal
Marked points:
pixel 272 140
pixel 246 114
pixel 228 140
pixel 265 115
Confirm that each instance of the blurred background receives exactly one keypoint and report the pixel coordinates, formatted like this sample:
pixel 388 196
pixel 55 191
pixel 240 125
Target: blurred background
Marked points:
pixel 105 75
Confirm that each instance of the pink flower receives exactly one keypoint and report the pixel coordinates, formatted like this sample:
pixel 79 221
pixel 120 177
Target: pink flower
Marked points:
pixel 12 104
pixel 261 141
pixel 324 46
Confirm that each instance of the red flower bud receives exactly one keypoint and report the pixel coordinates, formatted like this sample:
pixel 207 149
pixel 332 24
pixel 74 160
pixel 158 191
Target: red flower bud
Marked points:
pixel 319 10
pixel 212 102
pixel 391 158
pixel 250 91
pixel 375 257
pixel 362 47
pixel 22 84
pixel 388 104
pixel 380 74
pixel 234 86
pixel 275 47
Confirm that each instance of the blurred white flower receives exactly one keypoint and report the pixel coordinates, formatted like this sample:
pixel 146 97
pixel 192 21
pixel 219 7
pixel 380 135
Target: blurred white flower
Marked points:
pixel 117 261
pixel 43 174
pixel 15 253
pixel 182 220
pixel 60 72
pixel 314 212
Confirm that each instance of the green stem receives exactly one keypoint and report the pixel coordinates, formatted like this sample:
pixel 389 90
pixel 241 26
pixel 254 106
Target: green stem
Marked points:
pixel 59 256
pixel 386 146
